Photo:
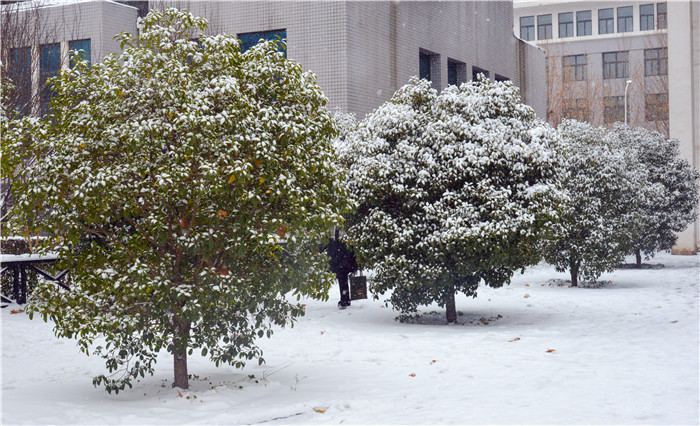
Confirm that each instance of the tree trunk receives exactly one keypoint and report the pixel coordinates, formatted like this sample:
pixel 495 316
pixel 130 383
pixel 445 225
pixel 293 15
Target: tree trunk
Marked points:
pixel 451 306
pixel 573 267
pixel 181 379
pixel 638 255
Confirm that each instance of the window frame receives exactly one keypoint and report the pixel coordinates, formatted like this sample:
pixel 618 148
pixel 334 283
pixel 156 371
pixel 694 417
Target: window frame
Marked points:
pixel 575 109
pixel 657 110
pixel 545 26
pixel 661 16
pixel 266 35
pixel 625 23
pixel 49 56
pixel 530 35
pixel 646 24
pixel 618 67
pixel 567 26
pixel 609 21
pixel 613 109
pixel 587 29
pixel 20 71
pixel 79 45
pixel 656 61
pixel 574 67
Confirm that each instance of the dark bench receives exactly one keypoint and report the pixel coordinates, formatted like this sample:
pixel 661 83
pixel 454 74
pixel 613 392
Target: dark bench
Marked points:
pixel 18 265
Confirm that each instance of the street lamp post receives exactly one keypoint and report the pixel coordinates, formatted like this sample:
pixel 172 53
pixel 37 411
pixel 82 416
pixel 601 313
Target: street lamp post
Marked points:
pixel 627 84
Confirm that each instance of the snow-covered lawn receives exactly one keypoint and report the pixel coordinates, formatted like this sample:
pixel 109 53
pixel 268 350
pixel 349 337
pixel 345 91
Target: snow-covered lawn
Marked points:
pixel 623 353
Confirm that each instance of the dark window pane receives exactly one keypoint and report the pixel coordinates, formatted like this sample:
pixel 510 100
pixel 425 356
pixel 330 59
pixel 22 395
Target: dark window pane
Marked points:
pixel 21 76
pixel 583 23
pixel 661 15
pixel 646 17
pixel 566 24
pixel 656 61
pixel 616 64
pixel 544 27
pixel 656 106
pixel 249 40
pixel 606 21
pixel 613 109
pixel 456 72
pixel 574 67
pixel 80 45
pixel 625 22
pixel 527 28
pixel 49 65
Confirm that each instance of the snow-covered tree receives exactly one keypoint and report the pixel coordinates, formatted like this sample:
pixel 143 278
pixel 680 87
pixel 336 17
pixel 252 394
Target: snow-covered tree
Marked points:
pixel 451 190
pixel 671 209
pixel 606 187
pixel 185 185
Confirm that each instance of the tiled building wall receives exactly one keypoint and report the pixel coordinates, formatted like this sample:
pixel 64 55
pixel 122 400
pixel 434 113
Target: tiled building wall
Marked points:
pixel 98 21
pixel 315 33
pixel 362 51
pixel 532 82
pixel 385 38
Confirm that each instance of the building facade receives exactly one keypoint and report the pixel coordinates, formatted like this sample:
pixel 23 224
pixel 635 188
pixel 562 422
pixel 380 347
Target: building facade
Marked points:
pixel 37 38
pixel 593 50
pixel 622 61
pixel 361 52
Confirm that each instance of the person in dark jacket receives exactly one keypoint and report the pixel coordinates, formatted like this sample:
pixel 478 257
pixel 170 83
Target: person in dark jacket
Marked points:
pixel 342 262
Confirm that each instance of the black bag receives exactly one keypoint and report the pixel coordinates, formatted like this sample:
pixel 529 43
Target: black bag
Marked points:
pixel 358 287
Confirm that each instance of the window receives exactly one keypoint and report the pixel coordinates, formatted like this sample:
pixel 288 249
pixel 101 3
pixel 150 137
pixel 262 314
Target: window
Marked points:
pixel 646 17
pixel 429 67
pixel 656 106
pixel 501 78
pixel 616 64
pixel 476 71
pixel 83 45
pixel 625 21
pixel 527 28
pixel 566 24
pixel 249 40
pixel 544 27
pixel 574 67
pixel 613 109
pixel 21 75
pixel 584 26
pixel 576 109
pixel 656 61
pixel 456 72
pixel 606 21
pixel 661 15
pixel 49 65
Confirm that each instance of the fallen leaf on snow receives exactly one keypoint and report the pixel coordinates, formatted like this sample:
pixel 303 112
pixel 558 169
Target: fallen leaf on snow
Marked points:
pixel 412 374
pixel 549 351
pixel 527 296
pixel 319 410
pixel 433 362
pixel 16 311
pixel 514 340
pixel 527 285
pixel 179 394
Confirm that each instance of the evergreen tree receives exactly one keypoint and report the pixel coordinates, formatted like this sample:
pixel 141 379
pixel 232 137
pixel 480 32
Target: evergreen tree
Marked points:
pixel 185 184
pixel 606 187
pixel 673 207
pixel 450 190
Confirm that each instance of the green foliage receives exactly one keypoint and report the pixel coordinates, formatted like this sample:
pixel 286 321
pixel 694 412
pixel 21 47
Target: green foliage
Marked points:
pixel 185 184
pixel 451 190
pixel 606 187
pixel 672 207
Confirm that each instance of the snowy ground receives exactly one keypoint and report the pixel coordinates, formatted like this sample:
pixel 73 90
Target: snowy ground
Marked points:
pixel 623 353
